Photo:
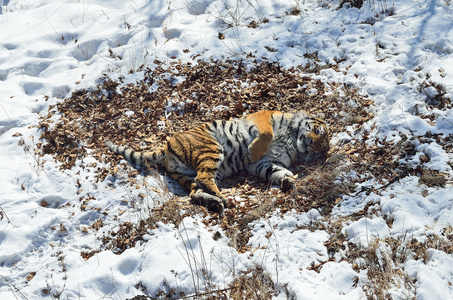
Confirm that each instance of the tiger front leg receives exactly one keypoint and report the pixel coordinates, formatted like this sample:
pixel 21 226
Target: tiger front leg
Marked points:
pixel 274 173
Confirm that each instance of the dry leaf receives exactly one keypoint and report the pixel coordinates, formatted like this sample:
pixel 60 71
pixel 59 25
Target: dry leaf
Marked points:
pixel 30 276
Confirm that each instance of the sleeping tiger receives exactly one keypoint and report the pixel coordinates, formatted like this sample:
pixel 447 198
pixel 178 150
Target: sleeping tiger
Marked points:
pixel 265 144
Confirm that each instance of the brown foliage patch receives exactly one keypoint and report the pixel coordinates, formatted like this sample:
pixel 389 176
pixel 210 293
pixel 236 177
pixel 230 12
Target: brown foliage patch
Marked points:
pixel 132 113
pixel 167 101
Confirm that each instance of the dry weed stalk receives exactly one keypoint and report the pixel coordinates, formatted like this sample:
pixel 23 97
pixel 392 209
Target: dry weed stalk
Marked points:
pixel 254 284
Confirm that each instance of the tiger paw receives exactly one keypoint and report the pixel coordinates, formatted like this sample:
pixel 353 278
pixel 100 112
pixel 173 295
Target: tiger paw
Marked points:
pixel 215 206
pixel 211 202
pixel 287 184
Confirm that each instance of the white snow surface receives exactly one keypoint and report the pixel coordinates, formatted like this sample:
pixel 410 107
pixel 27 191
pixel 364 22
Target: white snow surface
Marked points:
pixel 49 48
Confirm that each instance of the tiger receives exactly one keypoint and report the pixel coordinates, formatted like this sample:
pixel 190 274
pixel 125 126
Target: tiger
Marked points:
pixel 265 144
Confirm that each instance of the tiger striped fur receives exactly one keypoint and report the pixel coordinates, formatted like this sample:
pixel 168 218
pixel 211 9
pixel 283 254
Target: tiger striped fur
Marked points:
pixel 265 144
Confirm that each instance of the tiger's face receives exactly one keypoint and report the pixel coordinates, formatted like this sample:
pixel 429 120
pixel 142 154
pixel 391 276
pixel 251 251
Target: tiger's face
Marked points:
pixel 314 141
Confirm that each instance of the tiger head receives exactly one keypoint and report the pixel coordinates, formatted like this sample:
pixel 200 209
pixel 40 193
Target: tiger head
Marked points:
pixel 313 140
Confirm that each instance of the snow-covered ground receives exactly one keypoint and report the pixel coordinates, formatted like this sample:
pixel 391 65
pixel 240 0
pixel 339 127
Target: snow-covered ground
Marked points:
pixel 398 53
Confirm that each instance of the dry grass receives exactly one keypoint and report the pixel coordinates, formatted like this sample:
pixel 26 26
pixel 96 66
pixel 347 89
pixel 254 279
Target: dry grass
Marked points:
pixel 384 260
pixel 254 284
pixel 431 179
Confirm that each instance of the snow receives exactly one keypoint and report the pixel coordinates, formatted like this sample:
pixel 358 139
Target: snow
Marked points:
pixel 366 230
pixel 434 276
pixel 49 48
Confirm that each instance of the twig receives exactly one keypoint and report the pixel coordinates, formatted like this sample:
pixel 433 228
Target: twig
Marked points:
pixel 188 261
pixel 13 287
pixel 114 286
pixel 209 293
pixel 105 14
pixel 405 120
pixel 7 114
pixel 3 213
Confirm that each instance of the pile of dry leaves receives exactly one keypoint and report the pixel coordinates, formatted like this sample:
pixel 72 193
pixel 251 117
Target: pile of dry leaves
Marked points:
pixel 167 101
pixel 143 114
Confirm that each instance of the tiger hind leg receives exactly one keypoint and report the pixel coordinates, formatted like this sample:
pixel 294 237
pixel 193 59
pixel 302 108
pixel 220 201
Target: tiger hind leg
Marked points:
pixel 211 202
pixel 206 192
pixel 260 145
pixel 194 157
pixel 203 189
